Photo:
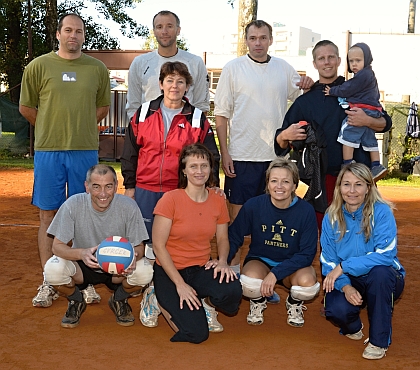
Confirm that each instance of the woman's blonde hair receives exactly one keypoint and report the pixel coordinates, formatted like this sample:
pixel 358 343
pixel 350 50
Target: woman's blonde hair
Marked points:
pixel 335 210
pixel 281 162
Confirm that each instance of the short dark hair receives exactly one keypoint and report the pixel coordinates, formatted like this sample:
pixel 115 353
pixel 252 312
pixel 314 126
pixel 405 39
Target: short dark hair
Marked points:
pixel 194 150
pixel 170 68
pixel 100 169
pixel 259 24
pixel 167 12
pixel 60 21
pixel 324 43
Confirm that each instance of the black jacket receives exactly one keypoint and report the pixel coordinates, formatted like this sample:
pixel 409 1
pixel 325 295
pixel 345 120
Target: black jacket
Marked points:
pixel 314 106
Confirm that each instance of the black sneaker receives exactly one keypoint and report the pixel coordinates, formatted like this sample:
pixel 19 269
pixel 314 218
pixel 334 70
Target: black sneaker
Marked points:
pixel 122 311
pixel 74 311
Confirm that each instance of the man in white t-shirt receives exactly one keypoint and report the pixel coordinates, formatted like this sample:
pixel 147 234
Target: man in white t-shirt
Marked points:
pixel 251 99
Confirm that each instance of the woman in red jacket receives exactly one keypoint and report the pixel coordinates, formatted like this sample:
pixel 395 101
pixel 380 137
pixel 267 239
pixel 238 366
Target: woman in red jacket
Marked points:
pixel 153 142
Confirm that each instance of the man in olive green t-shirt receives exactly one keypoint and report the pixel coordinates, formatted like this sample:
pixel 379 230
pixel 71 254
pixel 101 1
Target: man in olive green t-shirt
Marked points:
pixel 64 95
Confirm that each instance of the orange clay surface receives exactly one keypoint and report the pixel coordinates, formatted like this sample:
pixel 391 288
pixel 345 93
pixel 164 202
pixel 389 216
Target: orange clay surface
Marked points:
pixel 32 338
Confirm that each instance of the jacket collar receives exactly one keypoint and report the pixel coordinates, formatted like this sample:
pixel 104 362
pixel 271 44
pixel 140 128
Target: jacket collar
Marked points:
pixel 321 86
pixel 155 105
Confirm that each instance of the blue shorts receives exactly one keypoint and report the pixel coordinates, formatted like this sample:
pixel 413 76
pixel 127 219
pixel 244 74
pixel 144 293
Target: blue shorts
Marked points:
pixel 248 183
pixel 59 175
pixel 146 200
pixel 354 136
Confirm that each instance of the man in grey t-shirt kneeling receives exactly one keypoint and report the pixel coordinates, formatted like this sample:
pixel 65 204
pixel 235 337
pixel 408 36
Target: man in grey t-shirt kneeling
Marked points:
pixel 85 220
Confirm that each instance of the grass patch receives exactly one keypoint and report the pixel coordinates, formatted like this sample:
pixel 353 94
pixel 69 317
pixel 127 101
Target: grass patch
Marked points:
pixel 411 181
pixel 19 162
pixel 28 163
pixel 394 179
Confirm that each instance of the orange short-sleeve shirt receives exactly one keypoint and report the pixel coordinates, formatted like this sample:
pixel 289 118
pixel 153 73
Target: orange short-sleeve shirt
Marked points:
pixel 193 225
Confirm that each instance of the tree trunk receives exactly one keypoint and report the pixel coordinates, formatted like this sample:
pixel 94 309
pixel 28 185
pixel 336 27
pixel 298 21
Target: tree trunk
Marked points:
pixel 411 16
pixel 247 13
pixel 13 62
pixel 50 22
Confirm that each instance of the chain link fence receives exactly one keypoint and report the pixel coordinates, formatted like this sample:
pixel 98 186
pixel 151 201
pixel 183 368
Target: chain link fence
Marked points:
pixel 14 132
pixel 401 148
pixel 14 129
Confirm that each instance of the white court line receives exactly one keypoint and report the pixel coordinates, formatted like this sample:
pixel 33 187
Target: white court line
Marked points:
pixel 19 225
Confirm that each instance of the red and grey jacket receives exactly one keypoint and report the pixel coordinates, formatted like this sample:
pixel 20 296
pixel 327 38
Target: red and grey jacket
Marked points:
pixel 150 161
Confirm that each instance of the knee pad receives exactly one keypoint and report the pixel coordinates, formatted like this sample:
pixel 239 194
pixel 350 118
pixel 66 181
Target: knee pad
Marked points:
pixel 58 271
pixel 304 293
pixel 142 275
pixel 251 287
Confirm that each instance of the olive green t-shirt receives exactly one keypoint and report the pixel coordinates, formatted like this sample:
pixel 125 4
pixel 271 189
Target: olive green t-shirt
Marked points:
pixel 66 93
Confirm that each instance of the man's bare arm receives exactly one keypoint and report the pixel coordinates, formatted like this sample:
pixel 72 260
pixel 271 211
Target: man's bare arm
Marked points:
pixel 101 113
pixel 221 129
pixel 29 113
pixel 357 117
pixel 293 132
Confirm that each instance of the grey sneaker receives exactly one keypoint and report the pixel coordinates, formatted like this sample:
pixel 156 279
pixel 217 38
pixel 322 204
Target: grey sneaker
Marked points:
pixel 295 314
pixel 149 309
pixel 344 165
pixel 378 172
pixel 356 336
pixel 90 295
pixel 255 316
pixel 372 352
pixel 46 294
pixel 122 311
pixel 137 293
pixel 74 311
pixel 211 316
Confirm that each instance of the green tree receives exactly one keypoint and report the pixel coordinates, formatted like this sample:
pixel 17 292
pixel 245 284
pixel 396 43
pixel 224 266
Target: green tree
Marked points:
pixel 152 44
pixel 12 46
pixel 44 14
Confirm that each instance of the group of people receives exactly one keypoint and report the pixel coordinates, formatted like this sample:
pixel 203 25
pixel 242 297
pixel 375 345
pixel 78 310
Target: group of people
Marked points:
pixel 172 206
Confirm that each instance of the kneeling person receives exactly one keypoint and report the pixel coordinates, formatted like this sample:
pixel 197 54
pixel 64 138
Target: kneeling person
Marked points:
pixel 283 244
pixel 85 220
pixel 189 284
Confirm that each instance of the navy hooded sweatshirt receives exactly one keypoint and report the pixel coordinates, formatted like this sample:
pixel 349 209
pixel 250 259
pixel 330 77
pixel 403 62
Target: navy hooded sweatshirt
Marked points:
pixel 363 87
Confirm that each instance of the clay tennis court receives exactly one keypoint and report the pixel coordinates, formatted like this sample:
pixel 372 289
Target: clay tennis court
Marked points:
pixel 32 338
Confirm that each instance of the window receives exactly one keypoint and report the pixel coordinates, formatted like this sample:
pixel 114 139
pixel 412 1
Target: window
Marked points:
pixel 214 76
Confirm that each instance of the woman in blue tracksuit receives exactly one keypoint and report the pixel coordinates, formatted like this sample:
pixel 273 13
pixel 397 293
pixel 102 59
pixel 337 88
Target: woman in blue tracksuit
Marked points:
pixel 359 259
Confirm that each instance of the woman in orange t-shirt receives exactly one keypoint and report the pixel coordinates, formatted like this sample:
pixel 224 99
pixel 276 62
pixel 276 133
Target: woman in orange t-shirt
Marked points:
pixel 188 284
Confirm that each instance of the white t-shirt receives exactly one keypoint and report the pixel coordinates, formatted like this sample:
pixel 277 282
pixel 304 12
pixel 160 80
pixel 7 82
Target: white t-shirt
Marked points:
pixel 253 96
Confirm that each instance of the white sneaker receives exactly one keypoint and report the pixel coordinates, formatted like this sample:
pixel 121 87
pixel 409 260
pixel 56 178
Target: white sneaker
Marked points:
pixel 295 314
pixel 90 295
pixel 46 294
pixel 211 316
pixel 255 316
pixel 356 336
pixel 149 309
pixel 372 352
